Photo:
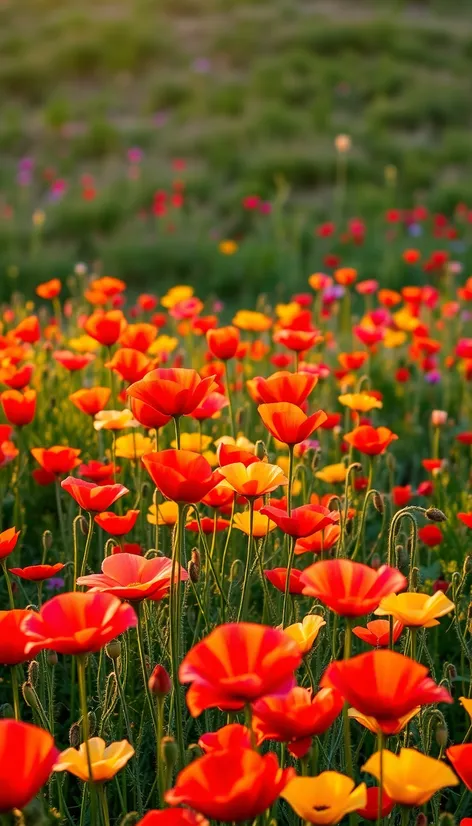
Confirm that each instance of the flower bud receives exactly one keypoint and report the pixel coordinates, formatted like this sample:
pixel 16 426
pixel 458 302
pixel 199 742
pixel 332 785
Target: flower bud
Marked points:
pixel 52 658
pixel 83 525
pixel 33 672
pixel 438 418
pixel 378 502
pixel 261 450
pixel 113 649
pixel 435 515
pixel 442 735
pixel 6 711
pixel 169 753
pixel 29 695
pixel 376 562
pixel 421 819
pixel 159 682
pixel 47 540
pixel 74 735
pixel 144 490
pixel 451 671
pixel 194 565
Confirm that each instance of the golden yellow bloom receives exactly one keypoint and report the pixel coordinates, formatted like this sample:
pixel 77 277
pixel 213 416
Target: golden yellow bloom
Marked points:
pixel 228 247
pixel 393 338
pixel 466 703
pixel 362 402
pixel 176 294
pixel 83 344
pixel 167 513
pixel 287 311
pixel 332 473
pixel 163 344
pixel 324 799
pixel 241 441
pixel 305 633
pixel 405 321
pixel 262 525
pixel 410 778
pixel 114 420
pixel 133 446
pixel 255 480
pixel 105 760
pixel 39 217
pixel 372 725
pixel 193 441
pixel 415 610
pixel 252 320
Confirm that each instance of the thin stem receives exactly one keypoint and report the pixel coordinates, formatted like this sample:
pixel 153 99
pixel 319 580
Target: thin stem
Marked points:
pixel 346 721
pixel 175 626
pixel 245 592
pixel 102 796
pixel 8 583
pixel 230 400
pixel 291 555
pixel 60 515
pixel 15 692
pixel 88 543
pixel 177 431
pixel 380 741
pixel 86 732
pixel 139 636
pixel 290 479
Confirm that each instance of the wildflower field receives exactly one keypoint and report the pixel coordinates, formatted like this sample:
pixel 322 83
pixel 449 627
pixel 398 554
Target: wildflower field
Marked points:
pixel 235 418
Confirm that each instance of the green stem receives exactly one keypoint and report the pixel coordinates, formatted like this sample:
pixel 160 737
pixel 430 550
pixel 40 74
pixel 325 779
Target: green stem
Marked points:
pixel 15 692
pixel 175 626
pixel 8 583
pixel 177 431
pixel 86 734
pixel 230 400
pixel 346 721
pixel 88 543
pixel 139 636
pixel 290 479
pixel 360 535
pixel 245 592
pixel 102 796
pixel 380 741
pixel 291 555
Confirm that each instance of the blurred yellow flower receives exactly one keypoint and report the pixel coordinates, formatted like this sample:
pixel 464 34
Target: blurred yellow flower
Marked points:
pixel 163 344
pixel 467 705
pixel 83 344
pixel 105 760
pixel 167 513
pixel 332 474
pixel 228 247
pixel 193 441
pixel 405 321
pixel 305 633
pixel 114 420
pixel 252 320
pixel 362 402
pixel 38 217
pixel 393 338
pixel 241 442
pixel 133 446
pixel 286 312
pixel 176 294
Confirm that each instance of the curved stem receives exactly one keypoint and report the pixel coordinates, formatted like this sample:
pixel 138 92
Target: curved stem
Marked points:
pixel 88 543
pixel 230 400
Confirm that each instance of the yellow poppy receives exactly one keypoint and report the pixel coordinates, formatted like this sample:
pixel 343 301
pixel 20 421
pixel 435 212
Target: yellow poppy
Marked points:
pixel 286 312
pixel 410 778
pixel 394 338
pixel 241 442
pixel 262 525
pixel 193 441
pixel 405 321
pixel 83 344
pixel 415 610
pixel 252 320
pixel 228 247
pixel 176 294
pixel 114 420
pixel 133 446
pixel 105 760
pixel 324 799
pixel 362 402
pixel 372 725
pixel 466 703
pixel 305 633
pixel 332 474
pixel 167 513
pixel 163 344
pixel 255 480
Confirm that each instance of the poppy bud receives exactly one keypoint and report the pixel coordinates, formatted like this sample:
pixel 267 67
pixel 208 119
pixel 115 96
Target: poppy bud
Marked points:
pixel 47 540
pixel 29 695
pixel 421 819
pixel 169 753
pixel 378 502
pixel 446 819
pixel 159 682
pixel 442 735
pixel 144 490
pixel 376 561
pixel 52 658
pixel 74 735
pixel 261 450
pixel 83 525
pixel 194 565
pixel 467 567
pixel 33 672
pixel 438 418
pixel 6 711
pixel 113 649
pixel 452 671
pixel 435 515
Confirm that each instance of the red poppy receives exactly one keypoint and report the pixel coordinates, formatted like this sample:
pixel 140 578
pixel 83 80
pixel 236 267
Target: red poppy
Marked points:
pixel 133 577
pixel 207 525
pixel 28 330
pixel 49 289
pixel 320 542
pixel 465 438
pixel 128 548
pixel 98 472
pixel 466 518
pixel 384 685
pixel 219 497
pixel 106 327
pixel 425 488
pixel 8 540
pixel 371 809
pixel 172 817
pixel 77 623
pixel 181 475
pixel 12 638
pixel 282 387
pixel 303 521
pixel 297 340
pixel 461 759
pixel 117 525
pixel 237 664
pixel 91 400
pixel 247 784
pixel 38 573
pixel 232 736
pixel 230 455
pixel 351 588
pixel 172 391
pixel 73 361
pixel 401 495
pixel 296 717
pixel 16 378
pixel 278 577
pixel 138 336
pixel 210 407
pixel 148 416
pixel 27 757
pixel 370 440
pixel 377 632
pixel 57 459
pixel 223 342
pixel 131 365
pixel 431 535
pixel 19 408
pixel 288 423
pixel 93 497
pixel 432 464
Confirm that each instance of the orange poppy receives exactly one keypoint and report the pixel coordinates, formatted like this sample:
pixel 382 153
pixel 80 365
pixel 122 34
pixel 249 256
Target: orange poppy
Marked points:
pixel 210 407
pixel 8 540
pixel 303 521
pixel 320 542
pixel 16 378
pixel 38 573
pixel 133 577
pixel 370 440
pixel 91 400
pixel 351 588
pixel 461 759
pixel 73 361
pixel 223 342
pixel 146 415
pixel 12 638
pixel 172 817
pixel 288 423
pixel 138 336
pixel 232 736
pixel 278 578
pixel 130 364
pixel 297 340
pixel 282 387
pixel 174 391
pixel 231 455
pixel 28 330
pixel 19 408
pixel 181 475
pixel 49 289
pixel 27 757
pixel 377 633
pixel 106 327
pixel 117 525
pixel 57 459
pixel 99 472
pixel 91 497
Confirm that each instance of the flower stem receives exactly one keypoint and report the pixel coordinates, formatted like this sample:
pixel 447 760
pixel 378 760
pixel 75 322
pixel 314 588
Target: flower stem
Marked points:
pixel 8 583
pixel 177 431
pixel 88 543
pixel 245 592
pixel 230 400
pixel 139 636
pixel 175 619
pixel 15 692
pixel 86 734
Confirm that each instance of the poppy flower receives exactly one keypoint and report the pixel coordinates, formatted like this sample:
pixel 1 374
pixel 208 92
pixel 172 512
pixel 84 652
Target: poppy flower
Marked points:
pixel 207 525
pixel 8 540
pixel 172 817
pixel 27 757
pixel 278 577
pixel 92 497
pixel 371 809
pixel 73 361
pixel 377 632
pixel 223 342
pixel 432 465
pixel 409 777
pixel 131 365
pixel 324 799
pixel 132 446
pixel 114 420
pixel 296 717
pixel 57 459
pixel 305 633
pixel 247 784
pixel 232 736
pixel 117 525
pixel 38 573
pixel 261 525
pixel 138 336
pixel 98 472
pixel 431 535
pixel 370 440
pixel 133 577
pixel 255 480
pixel 77 623
pixel 173 391
pixel 297 340
pixel 28 330
pixel 416 610
pixel 16 378
pixel 210 407
pixel 166 513
pixel 282 387
pixel 146 415
pixel 231 455
pixel 303 521
pixel 350 588
pixel 461 758
pixel 252 321
pixel 219 497
pixel 105 327
pixel 19 407
pixel 106 761
pixel 360 402
pixel 372 724
pixel 466 518
pixel 13 640
pixel 91 400
pixel 320 542
pixel 385 685
pixel 181 475
pixel 237 664
pixel 49 289
pixel 108 285
pixel 288 423
pixel 332 474
pixel 401 495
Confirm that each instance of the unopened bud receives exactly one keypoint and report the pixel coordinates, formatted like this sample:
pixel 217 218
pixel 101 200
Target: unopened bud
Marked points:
pixel 451 671
pixel 414 578
pixel 113 649
pixel 438 418
pixel 83 525
pixel 194 565
pixel 33 672
pixel 169 753
pixel 446 819
pixel 261 450
pixel 29 695
pixel 378 502
pixel 6 711
pixel 442 735
pixel 421 819
pixel 159 682
pixel 376 562
pixel 47 540
pixel 74 735
pixel 52 658
pixel 435 515
pixel 144 490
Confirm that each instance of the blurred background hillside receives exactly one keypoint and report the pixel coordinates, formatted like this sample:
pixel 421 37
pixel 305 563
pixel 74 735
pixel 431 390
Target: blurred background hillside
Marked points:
pixel 133 131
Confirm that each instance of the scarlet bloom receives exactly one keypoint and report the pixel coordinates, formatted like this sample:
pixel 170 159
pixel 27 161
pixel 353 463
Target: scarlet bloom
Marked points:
pixel 431 535
pixel 57 459
pixel 73 361
pixel 38 573
pixel 8 540
pixel 282 387
pixel 105 327
pixel 278 577
pixel 138 336
pixel 384 685
pixel 16 378
pixel 370 440
pixel 12 639
pixel 296 717
pixel 461 759
pixel 93 497
pixel 172 391
pixel 288 423
pixel 318 543
pixel 210 407
pixel 237 664
pixel 297 340
pixel 304 521
pixel 131 365
pixel 98 472
pixel 49 289
pixel 371 809
pixel 231 455
pixel 377 632
pixel 91 400
pixel 247 784
pixel 77 623
pixel 146 415
pixel 19 408
pixel 401 495
pixel 181 475
pixel 172 817
pixel 27 757
pixel 117 525
pixel 466 518
pixel 232 736
pixel 133 577
pixel 223 342
pixel 350 588
pixel 28 330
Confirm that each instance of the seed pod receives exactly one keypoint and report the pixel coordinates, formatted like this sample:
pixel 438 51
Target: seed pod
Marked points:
pixel 261 450
pixel 194 565
pixel 378 502
pixel 435 515
pixel 113 649
pixel 442 735
pixel 74 735
pixel 29 695
pixel 452 671
pixel 83 525
pixel 6 711
pixel 33 672
pixel 159 682
pixel 52 658
pixel 47 540
pixel 169 753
